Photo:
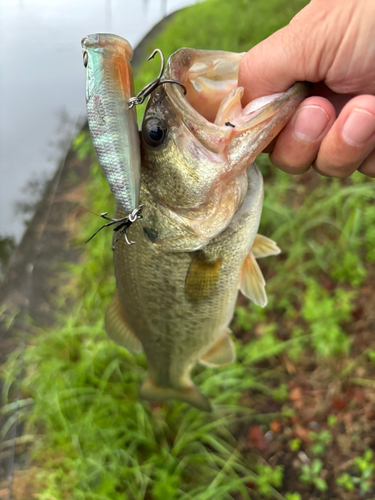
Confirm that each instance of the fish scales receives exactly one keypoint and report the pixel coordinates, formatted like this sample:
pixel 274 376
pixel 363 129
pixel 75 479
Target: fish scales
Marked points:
pixel 151 286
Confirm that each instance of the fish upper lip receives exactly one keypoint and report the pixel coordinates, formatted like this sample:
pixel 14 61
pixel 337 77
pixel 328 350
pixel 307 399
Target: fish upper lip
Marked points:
pixel 213 136
pixel 263 113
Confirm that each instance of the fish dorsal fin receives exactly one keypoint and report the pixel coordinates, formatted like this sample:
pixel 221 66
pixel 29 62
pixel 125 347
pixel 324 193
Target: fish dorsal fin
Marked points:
pixel 264 247
pixel 222 353
pixel 202 277
pixel 189 394
pixel 252 283
pixel 117 329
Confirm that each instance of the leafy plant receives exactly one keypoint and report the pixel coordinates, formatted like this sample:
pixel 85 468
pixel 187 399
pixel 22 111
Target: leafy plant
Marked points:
pixel 320 441
pixel 362 475
pixel 346 481
pixel 293 496
pixel 311 474
pixel 332 420
pixel 267 477
pixel 295 444
pixel 366 467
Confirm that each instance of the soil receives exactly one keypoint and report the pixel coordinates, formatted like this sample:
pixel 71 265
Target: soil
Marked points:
pixel 316 392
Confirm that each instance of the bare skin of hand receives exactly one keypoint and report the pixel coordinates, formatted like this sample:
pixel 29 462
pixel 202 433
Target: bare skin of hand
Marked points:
pixel 330 43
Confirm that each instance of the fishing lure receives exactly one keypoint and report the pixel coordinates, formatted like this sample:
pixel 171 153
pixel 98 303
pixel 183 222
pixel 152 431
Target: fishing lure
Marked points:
pixel 113 124
pixel 123 224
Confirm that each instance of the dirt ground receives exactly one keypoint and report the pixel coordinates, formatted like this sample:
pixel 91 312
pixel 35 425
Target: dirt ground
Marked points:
pixel 343 391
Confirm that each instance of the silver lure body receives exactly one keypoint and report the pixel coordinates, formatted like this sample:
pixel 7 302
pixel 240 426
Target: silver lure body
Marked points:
pixel 113 125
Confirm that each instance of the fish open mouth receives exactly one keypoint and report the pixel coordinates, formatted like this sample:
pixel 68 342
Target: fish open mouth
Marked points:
pixel 212 108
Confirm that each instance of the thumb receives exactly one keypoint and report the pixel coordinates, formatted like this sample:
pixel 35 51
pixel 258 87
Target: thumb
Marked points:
pixel 289 55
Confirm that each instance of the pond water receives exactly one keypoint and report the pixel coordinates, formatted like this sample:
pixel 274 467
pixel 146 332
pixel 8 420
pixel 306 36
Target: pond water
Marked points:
pixel 42 83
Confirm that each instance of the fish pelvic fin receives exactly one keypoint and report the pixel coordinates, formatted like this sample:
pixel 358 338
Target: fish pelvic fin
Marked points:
pixel 202 277
pixel 222 353
pixel 189 394
pixel 264 247
pixel 116 327
pixel 252 283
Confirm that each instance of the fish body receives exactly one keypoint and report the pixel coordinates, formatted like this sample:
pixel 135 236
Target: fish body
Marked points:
pixel 179 304
pixel 197 241
pixel 113 125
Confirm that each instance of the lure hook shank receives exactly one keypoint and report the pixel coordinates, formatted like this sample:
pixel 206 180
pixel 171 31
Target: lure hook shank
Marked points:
pixel 150 87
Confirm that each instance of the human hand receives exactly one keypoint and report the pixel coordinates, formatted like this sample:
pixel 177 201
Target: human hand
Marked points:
pixel 330 43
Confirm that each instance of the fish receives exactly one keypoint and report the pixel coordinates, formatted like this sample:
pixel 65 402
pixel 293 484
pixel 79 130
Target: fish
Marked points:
pixel 197 241
pixel 112 122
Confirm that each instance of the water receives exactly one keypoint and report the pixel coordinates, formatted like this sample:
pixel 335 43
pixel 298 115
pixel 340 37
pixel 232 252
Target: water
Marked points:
pixel 42 83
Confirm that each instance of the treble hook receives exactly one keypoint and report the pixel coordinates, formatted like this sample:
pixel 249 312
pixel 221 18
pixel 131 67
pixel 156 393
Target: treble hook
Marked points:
pixel 123 224
pixel 150 87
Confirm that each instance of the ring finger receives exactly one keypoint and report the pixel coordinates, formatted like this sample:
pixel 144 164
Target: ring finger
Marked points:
pixel 350 140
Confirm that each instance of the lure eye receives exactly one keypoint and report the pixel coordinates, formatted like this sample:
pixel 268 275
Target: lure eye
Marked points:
pixel 154 132
pixel 85 59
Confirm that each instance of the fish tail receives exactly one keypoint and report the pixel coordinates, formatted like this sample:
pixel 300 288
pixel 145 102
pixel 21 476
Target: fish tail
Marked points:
pixel 189 394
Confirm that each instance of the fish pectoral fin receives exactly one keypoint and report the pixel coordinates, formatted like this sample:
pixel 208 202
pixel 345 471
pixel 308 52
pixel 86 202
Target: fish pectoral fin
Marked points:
pixel 189 394
pixel 264 247
pixel 202 277
pixel 252 283
pixel 117 329
pixel 222 353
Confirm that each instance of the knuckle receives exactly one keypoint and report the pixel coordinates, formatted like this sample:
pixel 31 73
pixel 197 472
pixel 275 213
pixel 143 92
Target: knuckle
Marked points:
pixel 329 170
pixel 368 173
pixel 290 164
pixel 368 166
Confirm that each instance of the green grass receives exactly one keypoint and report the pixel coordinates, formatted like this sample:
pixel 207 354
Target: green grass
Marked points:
pixel 93 438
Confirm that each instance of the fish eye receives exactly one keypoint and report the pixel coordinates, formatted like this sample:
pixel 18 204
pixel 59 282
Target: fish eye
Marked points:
pixel 154 132
pixel 85 59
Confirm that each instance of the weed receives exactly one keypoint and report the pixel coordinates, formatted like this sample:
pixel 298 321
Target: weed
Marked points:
pixel 346 481
pixel 362 474
pixel 311 474
pixel 267 477
pixel 332 420
pixel 320 441
pixel 366 467
pixel 295 444
pixel 293 496
pixel 371 355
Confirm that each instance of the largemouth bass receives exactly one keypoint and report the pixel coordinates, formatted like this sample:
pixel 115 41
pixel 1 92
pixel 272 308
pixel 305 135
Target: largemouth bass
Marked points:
pixel 113 125
pixel 197 242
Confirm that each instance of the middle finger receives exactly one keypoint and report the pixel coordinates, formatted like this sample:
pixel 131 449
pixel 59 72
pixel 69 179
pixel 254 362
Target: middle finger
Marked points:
pixel 298 143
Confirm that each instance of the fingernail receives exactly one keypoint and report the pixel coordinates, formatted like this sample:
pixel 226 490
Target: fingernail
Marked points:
pixel 359 127
pixel 310 122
